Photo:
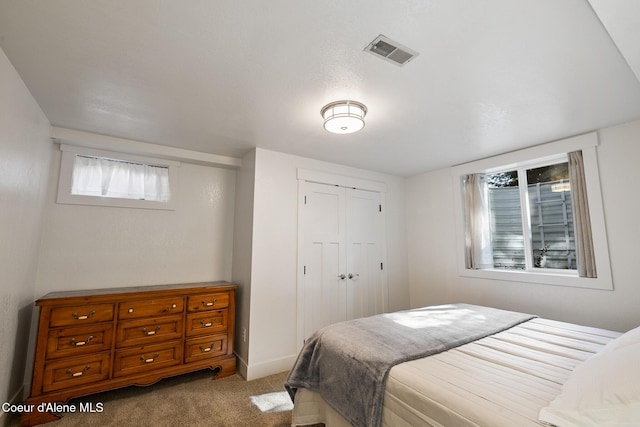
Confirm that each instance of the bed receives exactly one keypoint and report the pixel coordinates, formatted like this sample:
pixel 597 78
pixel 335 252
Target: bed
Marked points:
pixel 527 372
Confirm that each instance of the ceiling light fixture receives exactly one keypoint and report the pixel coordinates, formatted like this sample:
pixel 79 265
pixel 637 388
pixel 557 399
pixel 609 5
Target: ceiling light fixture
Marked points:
pixel 343 116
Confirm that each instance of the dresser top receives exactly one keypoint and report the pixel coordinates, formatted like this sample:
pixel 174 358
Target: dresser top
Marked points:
pixel 136 291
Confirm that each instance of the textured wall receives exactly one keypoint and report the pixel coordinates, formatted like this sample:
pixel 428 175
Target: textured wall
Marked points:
pixel 86 247
pixel 242 251
pixel 25 151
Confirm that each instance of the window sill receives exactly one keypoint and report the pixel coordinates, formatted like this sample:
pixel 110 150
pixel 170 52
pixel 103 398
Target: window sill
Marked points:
pixel 114 202
pixel 556 278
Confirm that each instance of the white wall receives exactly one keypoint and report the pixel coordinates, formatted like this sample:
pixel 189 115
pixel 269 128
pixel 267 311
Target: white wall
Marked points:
pixel 432 251
pixel 242 252
pixel 85 247
pixel 273 329
pixel 25 152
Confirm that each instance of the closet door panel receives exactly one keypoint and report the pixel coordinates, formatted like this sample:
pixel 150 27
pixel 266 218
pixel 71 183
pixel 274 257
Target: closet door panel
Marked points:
pixel 323 229
pixel 365 241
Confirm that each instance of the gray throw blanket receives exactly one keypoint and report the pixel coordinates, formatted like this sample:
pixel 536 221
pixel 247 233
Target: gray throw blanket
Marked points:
pixel 348 362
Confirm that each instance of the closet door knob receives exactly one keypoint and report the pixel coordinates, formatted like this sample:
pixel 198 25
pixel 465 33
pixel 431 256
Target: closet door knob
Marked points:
pixel 351 276
pixel 342 277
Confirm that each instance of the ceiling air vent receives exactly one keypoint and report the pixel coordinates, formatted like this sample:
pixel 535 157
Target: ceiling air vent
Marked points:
pixel 390 50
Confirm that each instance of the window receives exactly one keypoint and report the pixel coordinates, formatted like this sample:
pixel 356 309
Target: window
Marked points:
pixel 531 218
pixel 534 215
pixel 103 177
pixel 93 177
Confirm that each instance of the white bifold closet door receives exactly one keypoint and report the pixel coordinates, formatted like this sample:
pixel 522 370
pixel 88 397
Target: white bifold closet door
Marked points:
pixel 342 250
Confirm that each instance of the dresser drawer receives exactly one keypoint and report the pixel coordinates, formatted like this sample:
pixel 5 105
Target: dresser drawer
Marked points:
pixel 75 371
pixel 205 348
pixel 206 323
pixel 78 340
pixel 211 301
pixel 81 314
pixel 151 307
pixel 137 360
pixel 146 331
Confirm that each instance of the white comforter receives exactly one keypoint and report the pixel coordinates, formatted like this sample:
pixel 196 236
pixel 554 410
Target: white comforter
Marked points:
pixel 502 380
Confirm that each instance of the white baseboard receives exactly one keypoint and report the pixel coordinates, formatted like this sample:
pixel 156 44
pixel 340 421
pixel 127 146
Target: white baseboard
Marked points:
pixel 264 369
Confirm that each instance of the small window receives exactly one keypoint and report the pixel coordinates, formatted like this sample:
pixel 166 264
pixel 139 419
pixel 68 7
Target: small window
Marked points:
pixel 93 177
pixel 534 215
pixel 103 177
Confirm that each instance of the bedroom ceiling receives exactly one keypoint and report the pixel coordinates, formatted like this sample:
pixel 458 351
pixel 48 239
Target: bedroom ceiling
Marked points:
pixel 225 76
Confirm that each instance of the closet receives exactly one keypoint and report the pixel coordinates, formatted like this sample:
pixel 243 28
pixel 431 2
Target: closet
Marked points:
pixel 341 251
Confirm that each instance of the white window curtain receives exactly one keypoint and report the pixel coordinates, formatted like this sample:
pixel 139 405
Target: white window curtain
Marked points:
pixel 479 252
pixel 581 218
pixel 94 176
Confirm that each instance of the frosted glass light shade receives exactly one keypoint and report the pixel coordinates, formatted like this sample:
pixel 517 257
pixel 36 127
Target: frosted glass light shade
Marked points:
pixel 343 116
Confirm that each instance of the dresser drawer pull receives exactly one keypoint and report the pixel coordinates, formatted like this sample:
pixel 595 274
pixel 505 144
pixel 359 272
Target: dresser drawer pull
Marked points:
pixel 75 315
pixel 81 343
pixel 78 374
pixel 147 333
pixel 207 324
pixel 130 310
pixel 145 360
pixel 209 304
pixel 206 349
pixel 174 305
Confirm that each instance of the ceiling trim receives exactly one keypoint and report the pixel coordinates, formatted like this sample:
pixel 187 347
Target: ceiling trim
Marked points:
pixel 110 143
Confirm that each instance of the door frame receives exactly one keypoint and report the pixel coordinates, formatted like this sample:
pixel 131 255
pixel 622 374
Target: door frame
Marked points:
pixel 318 177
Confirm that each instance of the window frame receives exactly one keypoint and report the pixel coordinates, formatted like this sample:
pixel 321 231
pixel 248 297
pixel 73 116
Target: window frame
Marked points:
pixel 66 177
pixel 532 157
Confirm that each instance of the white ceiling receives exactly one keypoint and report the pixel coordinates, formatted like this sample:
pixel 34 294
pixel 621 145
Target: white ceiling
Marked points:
pixel 225 76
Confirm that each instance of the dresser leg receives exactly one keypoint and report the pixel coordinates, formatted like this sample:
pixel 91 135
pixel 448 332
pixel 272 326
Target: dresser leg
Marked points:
pixel 34 418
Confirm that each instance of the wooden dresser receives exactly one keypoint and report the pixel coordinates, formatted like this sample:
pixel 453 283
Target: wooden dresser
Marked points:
pixel 97 340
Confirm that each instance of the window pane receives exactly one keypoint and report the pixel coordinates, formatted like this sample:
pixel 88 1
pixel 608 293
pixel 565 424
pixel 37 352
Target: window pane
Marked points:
pixel 506 221
pixel 552 232
pixel 102 177
pixel 548 173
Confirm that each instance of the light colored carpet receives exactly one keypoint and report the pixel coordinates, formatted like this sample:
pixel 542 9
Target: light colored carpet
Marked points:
pixel 189 400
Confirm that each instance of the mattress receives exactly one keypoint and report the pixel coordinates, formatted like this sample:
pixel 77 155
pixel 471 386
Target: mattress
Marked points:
pixel 502 380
